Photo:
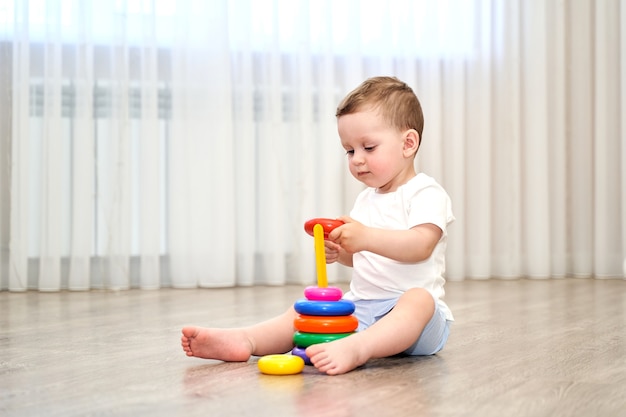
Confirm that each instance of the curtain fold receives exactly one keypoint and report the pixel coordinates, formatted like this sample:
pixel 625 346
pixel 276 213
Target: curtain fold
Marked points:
pixel 184 144
pixel 607 159
pixel 622 129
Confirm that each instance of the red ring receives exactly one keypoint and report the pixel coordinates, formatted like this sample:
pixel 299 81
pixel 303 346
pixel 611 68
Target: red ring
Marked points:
pixel 327 224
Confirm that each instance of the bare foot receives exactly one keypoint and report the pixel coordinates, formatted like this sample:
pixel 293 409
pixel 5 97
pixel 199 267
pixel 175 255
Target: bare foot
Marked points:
pixel 232 345
pixel 339 356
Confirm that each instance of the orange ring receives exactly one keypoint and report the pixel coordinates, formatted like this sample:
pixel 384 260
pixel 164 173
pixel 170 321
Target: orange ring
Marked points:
pixel 325 324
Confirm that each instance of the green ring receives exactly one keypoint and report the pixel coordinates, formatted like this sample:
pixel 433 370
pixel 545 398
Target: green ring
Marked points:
pixel 302 339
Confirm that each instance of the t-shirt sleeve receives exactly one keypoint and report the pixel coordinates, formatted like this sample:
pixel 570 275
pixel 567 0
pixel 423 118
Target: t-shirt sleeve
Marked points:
pixel 430 204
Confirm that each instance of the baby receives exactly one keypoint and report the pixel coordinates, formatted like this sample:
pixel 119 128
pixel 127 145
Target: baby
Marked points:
pixel 394 239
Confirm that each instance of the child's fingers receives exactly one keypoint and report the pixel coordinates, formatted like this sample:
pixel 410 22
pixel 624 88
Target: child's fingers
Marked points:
pixel 329 245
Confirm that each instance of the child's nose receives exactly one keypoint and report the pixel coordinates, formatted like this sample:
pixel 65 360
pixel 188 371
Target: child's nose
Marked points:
pixel 358 158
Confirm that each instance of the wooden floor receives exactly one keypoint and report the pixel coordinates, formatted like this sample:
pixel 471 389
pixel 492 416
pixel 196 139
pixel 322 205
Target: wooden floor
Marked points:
pixel 517 348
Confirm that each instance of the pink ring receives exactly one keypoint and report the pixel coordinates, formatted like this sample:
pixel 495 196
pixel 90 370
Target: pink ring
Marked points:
pixel 314 293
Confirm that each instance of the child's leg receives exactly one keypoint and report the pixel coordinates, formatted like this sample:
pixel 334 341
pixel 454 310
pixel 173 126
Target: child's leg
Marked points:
pixel 268 337
pixel 391 335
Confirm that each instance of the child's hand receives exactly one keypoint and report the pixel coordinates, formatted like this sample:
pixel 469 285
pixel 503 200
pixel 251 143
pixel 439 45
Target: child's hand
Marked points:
pixel 331 249
pixel 350 236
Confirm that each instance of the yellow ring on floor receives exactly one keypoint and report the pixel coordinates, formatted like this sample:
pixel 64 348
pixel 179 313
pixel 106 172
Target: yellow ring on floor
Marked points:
pixel 281 364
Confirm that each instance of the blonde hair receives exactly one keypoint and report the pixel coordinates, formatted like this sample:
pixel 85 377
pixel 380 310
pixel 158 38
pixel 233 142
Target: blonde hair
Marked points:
pixel 396 101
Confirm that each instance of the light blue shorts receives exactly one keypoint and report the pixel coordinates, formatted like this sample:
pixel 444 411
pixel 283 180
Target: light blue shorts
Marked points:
pixel 433 337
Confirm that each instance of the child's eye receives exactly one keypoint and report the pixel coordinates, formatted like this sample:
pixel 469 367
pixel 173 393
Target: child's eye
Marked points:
pixel 350 152
pixel 369 148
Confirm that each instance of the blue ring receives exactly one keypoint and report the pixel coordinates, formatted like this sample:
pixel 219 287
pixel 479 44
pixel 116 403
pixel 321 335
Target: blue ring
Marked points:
pixel 324 308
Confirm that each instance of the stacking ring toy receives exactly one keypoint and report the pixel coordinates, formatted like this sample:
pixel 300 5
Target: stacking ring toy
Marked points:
pixel 326 324
pixel 327 224
pixel 281 364
pixel 300 351
pixel 323 293
pixel 324 308
pixel 305 340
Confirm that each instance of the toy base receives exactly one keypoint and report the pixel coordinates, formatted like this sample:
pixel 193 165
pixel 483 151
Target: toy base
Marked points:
pixel 300 351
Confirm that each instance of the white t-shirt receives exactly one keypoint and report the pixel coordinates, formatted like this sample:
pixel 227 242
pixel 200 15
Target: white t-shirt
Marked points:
pixel 419 201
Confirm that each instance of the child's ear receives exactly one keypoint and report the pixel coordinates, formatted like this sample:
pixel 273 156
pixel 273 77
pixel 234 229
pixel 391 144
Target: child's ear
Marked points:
pixel 411 142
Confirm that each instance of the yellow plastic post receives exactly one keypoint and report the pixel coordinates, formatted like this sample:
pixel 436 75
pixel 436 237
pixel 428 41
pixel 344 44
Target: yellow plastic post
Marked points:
pixel 320 255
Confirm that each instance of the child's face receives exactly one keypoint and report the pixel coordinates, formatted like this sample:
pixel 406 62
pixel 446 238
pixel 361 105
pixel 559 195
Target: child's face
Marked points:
pixel 377 153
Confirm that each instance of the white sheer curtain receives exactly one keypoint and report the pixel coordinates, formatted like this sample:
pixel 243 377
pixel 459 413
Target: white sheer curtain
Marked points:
pixel 184 143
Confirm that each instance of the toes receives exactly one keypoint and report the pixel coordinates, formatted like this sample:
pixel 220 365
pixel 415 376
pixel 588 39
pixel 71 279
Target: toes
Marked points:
pixel 189 332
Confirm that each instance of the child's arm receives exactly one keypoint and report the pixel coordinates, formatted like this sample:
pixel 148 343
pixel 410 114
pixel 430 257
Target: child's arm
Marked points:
pixel 414 245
